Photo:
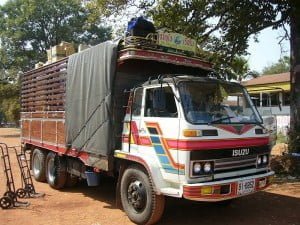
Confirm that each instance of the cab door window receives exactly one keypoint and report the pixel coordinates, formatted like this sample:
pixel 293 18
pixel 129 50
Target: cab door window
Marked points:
pixel 137 102
pixel 160 102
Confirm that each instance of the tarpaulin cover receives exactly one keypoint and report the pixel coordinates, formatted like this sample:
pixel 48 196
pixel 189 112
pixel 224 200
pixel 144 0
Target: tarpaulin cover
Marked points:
pixel 89 85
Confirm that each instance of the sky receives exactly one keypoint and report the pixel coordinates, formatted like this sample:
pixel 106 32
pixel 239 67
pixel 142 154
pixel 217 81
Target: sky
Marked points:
pixel 267 50
pixel 263 53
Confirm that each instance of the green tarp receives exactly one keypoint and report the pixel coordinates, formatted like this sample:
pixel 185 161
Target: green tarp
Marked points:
pixel 89 85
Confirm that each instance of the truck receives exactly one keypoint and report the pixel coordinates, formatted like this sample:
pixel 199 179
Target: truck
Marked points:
pixel 149 115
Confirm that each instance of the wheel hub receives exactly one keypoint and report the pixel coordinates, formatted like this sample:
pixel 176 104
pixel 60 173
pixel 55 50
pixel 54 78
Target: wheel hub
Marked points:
pixel 137 195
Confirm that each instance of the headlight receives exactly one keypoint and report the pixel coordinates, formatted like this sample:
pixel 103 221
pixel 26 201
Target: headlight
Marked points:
pixel 197 168
pixel 258 160
pixel 262 160
pixel 265 159
pixel 201 168
pixel 207 167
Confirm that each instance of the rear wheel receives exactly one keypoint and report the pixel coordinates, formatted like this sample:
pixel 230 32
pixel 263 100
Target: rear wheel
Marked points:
pixel 56 171
pixel 38 165
pixel 138 198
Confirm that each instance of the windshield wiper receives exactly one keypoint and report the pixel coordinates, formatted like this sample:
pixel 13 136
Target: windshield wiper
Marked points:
pixel 221 119
pixel 259 124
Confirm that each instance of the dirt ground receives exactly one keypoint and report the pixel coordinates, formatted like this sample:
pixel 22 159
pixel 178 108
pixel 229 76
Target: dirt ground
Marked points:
pixel 278 205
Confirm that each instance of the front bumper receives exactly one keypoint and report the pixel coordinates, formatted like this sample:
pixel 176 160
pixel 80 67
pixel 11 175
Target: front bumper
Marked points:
pixel 225 189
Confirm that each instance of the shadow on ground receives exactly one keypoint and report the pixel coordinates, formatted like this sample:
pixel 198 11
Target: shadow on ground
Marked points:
pixel 105 192
pixel 260 209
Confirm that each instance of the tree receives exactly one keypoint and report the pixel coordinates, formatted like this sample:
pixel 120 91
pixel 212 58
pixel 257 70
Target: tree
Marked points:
pixel 294 143
pixel 29 27
pixel 282 66
pixel 241 69
pixel 9 102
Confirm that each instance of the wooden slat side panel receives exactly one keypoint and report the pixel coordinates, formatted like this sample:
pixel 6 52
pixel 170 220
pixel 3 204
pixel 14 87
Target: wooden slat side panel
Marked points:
pixel 25 128
pixel 45 130
pixel 43 89
pixel 35 129
pixel 49 131
pixel 61 137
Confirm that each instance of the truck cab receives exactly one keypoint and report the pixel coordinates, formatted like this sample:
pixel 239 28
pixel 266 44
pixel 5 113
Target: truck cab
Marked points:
pixel 200 138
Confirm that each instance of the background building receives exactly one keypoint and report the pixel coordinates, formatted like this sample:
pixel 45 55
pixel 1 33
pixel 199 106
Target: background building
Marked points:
pixel 271 95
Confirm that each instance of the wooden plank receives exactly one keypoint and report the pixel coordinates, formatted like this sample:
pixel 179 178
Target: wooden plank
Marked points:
pixel 60 96
pixel 61 133
pixel 49 131
pixel 44 82
pixel 35 129
pixel 57 115
pixel 25 115
pixel 54 74
pixel 25 128
pixel 44 70
pixel 44 115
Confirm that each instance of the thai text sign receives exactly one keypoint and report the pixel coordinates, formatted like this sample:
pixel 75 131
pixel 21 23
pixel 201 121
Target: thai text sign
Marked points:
pixel 177 41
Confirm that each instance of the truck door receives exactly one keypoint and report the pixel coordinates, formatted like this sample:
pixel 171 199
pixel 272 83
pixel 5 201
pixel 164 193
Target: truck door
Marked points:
pixel 159 124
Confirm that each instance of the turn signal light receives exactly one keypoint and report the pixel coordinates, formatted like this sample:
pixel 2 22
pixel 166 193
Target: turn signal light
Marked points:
pixel 192 133
pixel 206 190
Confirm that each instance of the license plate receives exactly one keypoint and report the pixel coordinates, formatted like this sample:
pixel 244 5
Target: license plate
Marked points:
pixel 246 187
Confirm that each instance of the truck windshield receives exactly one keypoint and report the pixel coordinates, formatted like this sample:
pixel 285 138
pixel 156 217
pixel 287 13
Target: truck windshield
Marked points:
pixel 215 102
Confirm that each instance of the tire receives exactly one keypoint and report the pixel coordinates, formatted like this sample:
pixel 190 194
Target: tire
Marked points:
pixel 12 195
pixel 21 193
pixel 6 202
pixel 138 198
pixel 38 165
pixel 56 171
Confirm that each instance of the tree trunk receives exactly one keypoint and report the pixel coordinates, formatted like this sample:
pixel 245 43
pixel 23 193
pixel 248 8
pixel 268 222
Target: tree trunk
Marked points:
pixel 294 143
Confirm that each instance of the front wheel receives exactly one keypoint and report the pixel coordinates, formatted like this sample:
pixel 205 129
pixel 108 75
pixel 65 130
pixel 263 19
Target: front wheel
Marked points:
pixel 138 197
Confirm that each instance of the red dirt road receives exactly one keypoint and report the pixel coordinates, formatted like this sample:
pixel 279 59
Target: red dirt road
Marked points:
pixel 82 205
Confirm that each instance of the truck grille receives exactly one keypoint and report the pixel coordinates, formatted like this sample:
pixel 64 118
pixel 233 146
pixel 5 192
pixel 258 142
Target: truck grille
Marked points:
pixel 233 164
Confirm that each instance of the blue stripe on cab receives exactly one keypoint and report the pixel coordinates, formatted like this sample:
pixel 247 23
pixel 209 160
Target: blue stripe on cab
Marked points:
pixel 159 150
pixel 164 159
pixel 155 140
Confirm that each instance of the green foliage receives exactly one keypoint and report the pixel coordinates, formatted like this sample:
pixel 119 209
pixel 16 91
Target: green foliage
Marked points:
pixel 282 66
pixel 237 69
pixel 281 138
pixel 29 27
pixel 222 27
pixel 9 103
pixel 115 7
